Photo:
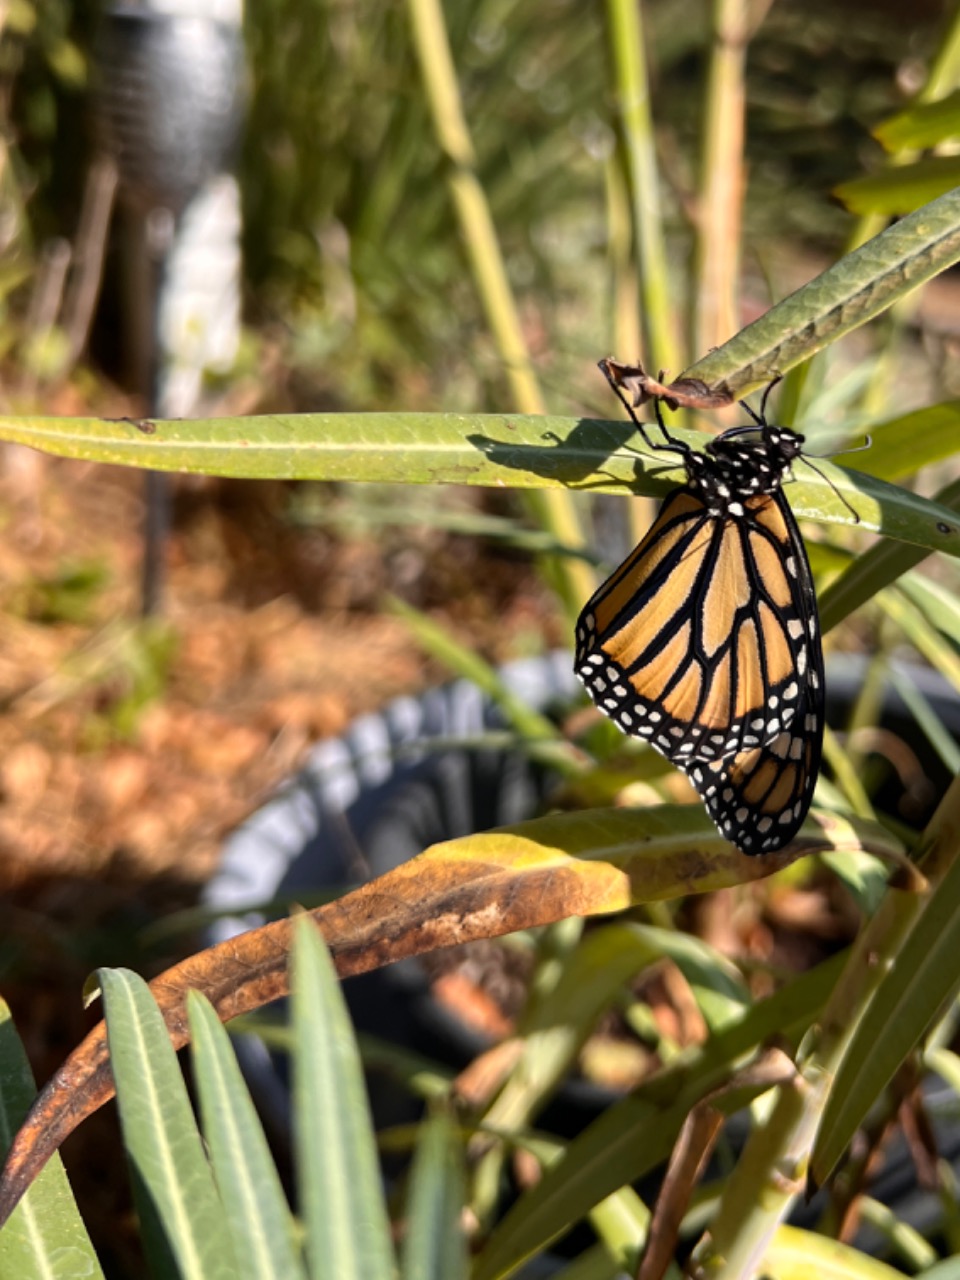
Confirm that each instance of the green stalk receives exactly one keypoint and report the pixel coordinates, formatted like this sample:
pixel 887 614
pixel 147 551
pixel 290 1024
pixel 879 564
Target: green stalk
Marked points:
pixel 624 289
pixel 945 73
pixel 661 344
pixel 916 1252
pixel 846 776
pixel 554 512
pixel 626 337
pixel 715 299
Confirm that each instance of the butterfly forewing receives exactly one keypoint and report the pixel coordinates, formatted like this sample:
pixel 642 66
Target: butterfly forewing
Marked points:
pixel 699 642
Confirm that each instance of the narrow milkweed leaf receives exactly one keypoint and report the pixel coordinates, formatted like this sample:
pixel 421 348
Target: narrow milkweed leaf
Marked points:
pixel 253 1200
pixel 857 288
pixel 902 445
pixel 435 1246
pixel 901 188
pixel 45 1236
pixel 905 1004
pixel 921 125
pixel 495 450
pixel 180 1208
pixel 338 1171
pixel 882 564
pixel 637 1133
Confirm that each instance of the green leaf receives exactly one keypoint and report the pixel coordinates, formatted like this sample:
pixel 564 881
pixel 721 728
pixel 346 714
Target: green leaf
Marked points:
pixel 796 1255
pixel 256 1209
pixel 909 998
pixel 875 569
pixel 562 1020
pixel 518 452
pixel 612 955
pixel 901 188
pixel 936 601
pixel 948 1269
pixel 922 633
pixel 488 449
pixel 638 1133
pixel 45 1236
pixel 341 1197
pixel 435 1247
pixel 921 125
pixel 927 719
pixel 360 509
pixel 856 289
pixel 901 446
pixel 179 1205
pixel 900 1239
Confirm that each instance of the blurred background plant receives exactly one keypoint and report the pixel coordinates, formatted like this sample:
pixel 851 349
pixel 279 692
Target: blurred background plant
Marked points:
pixel 371 181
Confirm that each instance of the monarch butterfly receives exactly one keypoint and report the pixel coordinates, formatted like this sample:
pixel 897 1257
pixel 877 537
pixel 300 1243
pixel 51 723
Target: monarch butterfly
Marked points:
pixel 705 642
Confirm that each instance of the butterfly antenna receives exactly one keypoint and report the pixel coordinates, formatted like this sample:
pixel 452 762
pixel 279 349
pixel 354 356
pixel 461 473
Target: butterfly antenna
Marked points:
pixel 839 453
pixel 855 514
pixel 857 448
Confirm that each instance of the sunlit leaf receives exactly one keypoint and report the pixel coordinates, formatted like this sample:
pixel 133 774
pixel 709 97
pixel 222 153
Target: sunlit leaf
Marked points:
pixel 921 125
pixel 902 188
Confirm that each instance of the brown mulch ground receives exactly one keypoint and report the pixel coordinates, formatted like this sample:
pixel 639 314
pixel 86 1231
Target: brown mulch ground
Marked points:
pixel 275 640
pixel 126 756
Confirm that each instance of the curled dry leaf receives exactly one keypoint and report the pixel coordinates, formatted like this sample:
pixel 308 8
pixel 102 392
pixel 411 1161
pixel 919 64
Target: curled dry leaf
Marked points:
pixel 684 393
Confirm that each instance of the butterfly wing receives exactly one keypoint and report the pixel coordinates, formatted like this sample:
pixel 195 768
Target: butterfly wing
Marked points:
pixel 759 798
pixel 701 641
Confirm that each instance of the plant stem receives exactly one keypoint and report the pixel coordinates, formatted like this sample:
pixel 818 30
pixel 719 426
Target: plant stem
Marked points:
pixel 626 337
pixel 715 298
pixel 661 345
pixel 715 303
pixel 624 289
pixel 554 511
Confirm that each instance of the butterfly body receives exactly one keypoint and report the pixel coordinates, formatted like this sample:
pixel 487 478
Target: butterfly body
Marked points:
pixel 705 641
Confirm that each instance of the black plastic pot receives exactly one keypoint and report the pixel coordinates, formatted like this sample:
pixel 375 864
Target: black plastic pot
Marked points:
pixel 366 802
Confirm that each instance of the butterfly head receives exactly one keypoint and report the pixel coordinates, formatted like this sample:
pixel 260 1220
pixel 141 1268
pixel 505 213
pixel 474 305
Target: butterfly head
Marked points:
pixel 742 463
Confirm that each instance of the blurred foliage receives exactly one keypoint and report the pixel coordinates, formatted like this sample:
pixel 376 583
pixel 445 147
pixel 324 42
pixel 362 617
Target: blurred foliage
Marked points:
pixel 348 223
pixel 69 595
pixel 351 248
pixel 44 53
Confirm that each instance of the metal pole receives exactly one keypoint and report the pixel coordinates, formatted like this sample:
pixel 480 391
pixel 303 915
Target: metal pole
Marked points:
pixel 169 110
